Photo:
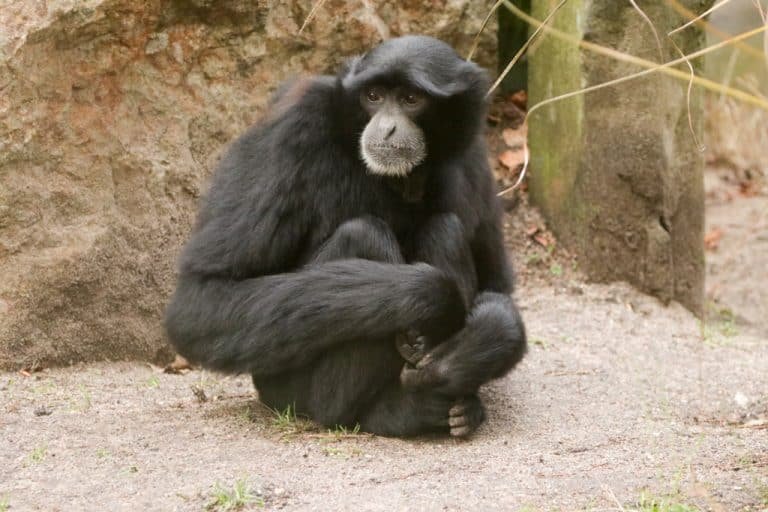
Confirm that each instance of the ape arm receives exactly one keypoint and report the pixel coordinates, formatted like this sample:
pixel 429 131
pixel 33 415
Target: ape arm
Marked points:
pixel 269 324
pixel 494 273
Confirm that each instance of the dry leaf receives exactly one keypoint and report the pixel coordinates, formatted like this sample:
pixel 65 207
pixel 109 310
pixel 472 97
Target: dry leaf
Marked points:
pixel 520 99
pixel 748 188
pixel 544 238
pixel 179 365
pixel 512 158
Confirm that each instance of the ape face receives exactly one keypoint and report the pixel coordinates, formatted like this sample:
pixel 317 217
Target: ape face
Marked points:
pixel 410 103
pixel 393 143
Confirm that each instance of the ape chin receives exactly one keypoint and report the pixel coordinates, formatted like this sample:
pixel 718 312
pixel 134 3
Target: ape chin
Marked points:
pixel 349 254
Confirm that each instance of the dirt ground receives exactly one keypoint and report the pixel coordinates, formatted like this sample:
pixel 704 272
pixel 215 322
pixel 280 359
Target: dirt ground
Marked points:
pixel 622 404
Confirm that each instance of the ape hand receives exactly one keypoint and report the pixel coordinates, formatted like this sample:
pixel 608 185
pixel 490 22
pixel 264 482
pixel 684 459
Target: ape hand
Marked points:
pixel 412 345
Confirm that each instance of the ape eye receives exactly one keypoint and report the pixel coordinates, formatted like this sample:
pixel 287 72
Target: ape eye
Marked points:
pixel 373 96
pixel 411 99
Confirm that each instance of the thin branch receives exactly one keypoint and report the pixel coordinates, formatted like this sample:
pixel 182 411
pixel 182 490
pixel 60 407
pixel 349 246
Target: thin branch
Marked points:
pixel 652 67
pixel 700 16
pixel 688 92
pixel 476 41
pixel 720 34
pixel 311 14
pixel 651 25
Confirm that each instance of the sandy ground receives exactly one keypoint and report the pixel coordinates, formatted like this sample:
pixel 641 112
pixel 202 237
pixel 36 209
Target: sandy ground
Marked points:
pixel 737 279
pixel 619 398
pixel 621 403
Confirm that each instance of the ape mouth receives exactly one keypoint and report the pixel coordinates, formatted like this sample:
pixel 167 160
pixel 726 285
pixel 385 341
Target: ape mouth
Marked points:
pixel 392 147
pixel 390 159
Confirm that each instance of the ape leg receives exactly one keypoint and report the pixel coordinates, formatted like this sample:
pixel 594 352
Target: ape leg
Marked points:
pixel 443 244
pixel 400 412
pixel 337 385
pixel 492 342
pixel 358 382
pixel 366 238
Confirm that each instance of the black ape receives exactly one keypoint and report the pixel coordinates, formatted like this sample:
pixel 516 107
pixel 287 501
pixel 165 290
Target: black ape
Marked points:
pixel 356 223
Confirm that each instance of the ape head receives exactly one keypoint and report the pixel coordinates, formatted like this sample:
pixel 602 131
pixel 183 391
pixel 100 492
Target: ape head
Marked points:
pixel 415 100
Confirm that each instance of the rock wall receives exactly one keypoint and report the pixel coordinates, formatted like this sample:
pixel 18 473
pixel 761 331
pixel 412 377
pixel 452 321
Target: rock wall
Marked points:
pixel 112 113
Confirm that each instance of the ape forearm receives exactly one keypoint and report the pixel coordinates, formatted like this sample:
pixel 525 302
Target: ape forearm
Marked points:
pixel 269 324
pixel 494 273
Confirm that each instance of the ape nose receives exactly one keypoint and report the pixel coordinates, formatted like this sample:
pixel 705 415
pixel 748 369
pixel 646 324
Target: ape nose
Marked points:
pixel 389 130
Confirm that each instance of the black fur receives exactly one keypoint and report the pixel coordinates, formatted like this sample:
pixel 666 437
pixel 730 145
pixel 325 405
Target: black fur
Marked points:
pixel 303 268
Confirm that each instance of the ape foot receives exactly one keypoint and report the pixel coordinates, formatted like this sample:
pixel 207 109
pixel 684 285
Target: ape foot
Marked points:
pixel 465 416
pixel 412 346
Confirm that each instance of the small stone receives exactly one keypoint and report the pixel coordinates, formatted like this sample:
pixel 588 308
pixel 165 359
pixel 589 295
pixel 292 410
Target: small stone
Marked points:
pixel 43 411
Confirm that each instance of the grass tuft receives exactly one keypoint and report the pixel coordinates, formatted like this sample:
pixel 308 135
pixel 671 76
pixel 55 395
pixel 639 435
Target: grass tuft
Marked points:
pixel 239 496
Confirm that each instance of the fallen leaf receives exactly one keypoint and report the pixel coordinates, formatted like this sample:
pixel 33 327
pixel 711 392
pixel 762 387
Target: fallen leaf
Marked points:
pixel 179 365
pixel 511 158
pixel 748 188
pixel 532 230
pixel 520 99
pixel 712 239
pixel 544 239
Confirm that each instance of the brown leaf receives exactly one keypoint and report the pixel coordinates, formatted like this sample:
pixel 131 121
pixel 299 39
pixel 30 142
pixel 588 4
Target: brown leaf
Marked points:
pixel 712 239
pixel 748 188
pixel 511 158
pixel 520 98
pixel 544 238
pixel 179 365
pixel 532 230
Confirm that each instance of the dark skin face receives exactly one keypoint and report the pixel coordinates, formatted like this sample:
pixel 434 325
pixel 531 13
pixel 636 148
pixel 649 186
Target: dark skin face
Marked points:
pixel 392 143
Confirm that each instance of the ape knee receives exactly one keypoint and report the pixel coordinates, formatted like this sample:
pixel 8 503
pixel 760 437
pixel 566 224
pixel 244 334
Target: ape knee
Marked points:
pixel 499 323
pixel 366 237
pixel 364 229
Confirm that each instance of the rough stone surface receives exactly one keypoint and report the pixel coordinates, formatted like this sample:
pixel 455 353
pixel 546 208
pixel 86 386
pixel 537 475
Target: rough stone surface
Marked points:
pixel 112 113
pixel 617 171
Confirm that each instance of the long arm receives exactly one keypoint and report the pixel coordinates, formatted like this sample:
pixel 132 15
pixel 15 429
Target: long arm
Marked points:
pixel 494 273
pixel 269 324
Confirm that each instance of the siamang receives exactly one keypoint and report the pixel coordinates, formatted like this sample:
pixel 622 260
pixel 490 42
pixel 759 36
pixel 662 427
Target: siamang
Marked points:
pixel 349 253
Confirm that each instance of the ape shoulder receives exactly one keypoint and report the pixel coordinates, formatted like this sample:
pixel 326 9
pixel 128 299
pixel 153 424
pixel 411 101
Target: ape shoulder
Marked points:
pixel 253 218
